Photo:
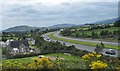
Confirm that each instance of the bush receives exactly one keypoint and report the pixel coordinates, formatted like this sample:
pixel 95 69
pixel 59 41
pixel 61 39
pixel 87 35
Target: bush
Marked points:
pixel 37 63
pixel 117 23
pixel 98 65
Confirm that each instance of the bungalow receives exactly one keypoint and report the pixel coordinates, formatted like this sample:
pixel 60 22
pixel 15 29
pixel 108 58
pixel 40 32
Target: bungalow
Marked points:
pixel 18 46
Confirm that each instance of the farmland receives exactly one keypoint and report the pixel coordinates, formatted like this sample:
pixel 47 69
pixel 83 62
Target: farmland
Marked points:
pixel 105 34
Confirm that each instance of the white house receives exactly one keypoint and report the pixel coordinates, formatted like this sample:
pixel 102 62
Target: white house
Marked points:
pixel 18 46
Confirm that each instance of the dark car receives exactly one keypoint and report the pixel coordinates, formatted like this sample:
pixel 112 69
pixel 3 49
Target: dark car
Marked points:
pixel 110 51
pixel 47 38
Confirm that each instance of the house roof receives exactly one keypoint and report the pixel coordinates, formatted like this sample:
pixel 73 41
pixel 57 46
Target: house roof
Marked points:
pixel 17 43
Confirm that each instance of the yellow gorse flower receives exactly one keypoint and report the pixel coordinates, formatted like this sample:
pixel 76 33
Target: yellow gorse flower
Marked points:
pixel 42 63
pixel 91 55
pixel 98 65
pixel 37 63
pixel 98 55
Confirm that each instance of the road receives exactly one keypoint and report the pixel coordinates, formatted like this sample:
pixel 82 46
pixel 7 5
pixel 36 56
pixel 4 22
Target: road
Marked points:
pixel 78 46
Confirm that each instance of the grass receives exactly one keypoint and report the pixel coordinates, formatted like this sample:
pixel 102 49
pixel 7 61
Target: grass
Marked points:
pixel 81 42
pixel 66 57
pixel 88 32
pixel 29 59
pixel 98 30
pixel 68 61
pixel 20 60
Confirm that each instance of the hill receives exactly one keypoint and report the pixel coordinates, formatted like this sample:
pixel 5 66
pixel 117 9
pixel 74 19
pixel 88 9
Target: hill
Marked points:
pixel 62 26
pixel 108 21
pixel 22 28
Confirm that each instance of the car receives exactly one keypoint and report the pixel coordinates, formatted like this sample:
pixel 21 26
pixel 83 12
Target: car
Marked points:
pixel 110 51
pixel 47 38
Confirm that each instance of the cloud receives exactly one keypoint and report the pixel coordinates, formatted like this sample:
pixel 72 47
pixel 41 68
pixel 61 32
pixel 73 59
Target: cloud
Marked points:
pixel 36 13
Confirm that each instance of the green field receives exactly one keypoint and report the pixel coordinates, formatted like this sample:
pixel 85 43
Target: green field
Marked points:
pixel 67 61
pixel 71 62
pixel 81 42
pixel 83 32
pixel 20 60
pixel 99 30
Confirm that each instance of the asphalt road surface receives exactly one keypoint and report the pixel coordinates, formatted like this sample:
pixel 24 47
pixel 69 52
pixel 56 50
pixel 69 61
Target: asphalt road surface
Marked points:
pixel 78 46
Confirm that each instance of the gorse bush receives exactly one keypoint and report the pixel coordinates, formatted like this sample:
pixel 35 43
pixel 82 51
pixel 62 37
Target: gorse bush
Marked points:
pixel 90 61
pixel 42 63
pixel 93 55
pixel 37 63
pixel 98 65
pixel 93 62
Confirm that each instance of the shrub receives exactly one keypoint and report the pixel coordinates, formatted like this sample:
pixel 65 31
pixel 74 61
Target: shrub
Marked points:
pixel 37 63
pixel 89 56
pixel 42 63
pixel 98 65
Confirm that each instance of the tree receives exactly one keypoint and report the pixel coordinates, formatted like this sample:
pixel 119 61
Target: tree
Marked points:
pixel 94 35
pixel 66 32
pixel 117 23
pixel 23 37
pixel 104 33
pixel 83 34
pixel 4 50
pixel 99 48
pixel 77 34
pixel 4 39
pixel 102 45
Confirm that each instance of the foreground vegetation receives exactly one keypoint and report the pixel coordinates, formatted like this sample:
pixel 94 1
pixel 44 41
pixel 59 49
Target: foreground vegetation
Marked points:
pixel 58 59
pixel 81 42
pixel 64 62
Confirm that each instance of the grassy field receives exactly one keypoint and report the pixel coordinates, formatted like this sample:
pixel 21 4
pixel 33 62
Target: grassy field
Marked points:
pixel 20 60
pixel 81 42
pixel 99 30
pixel 88 32
pixel 71 62
pixel 67 61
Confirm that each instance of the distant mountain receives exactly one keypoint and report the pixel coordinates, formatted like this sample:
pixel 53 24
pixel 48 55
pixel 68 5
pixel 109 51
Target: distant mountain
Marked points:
pixel 62 26
pixel 22 28
pixel 108 21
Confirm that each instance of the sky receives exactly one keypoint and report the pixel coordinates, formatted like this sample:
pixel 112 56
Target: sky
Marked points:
pixel 44 13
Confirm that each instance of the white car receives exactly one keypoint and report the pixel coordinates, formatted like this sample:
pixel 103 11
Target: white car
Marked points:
pixel 110 51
